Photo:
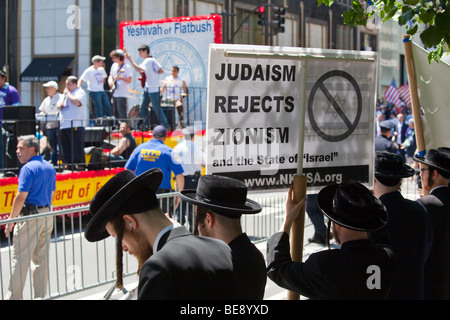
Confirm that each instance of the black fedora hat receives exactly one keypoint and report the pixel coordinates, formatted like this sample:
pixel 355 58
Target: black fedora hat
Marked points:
pixel 223 195
pixel 352 206
pixel 391 165
pixel 438 158
pixel 113 198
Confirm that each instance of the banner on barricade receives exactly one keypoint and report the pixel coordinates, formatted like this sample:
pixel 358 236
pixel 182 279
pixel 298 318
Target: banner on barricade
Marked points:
pixel 182 41
pixel 72 189
pixel 258 97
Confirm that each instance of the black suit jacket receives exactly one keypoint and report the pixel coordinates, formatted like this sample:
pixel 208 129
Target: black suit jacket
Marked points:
pixel 411 234
pixel 249 268
pixel 345 273
pixel 188 267
pixel 437 268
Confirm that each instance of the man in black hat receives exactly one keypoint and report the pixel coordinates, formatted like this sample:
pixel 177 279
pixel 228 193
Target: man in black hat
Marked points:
pixel 408 226
pixel 220 202
pixel 174 263
pixel 383 142
pixel 435 174
pixel 360 269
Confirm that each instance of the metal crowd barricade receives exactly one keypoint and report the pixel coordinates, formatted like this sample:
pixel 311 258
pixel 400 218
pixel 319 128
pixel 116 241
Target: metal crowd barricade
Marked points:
pixel 75 265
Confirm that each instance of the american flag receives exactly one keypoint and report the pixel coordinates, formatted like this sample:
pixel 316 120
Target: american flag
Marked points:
pixel 404 93
pixel 391 95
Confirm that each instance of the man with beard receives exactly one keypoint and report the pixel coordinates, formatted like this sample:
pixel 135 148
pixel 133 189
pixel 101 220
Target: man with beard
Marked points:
pixel 360 269
pixel 174 264
pixel 220 202
pixel 435 174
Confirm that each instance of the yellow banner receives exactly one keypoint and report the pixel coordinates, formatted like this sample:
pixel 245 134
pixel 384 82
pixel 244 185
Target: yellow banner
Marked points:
pixel 71 189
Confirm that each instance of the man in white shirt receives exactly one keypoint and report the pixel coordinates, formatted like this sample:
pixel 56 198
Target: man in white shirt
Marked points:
pixel 120 77
pixel 176 90
pixel 95 76
pixel 50 111
pixel 73 118
pixel 151 69
pixel 192 159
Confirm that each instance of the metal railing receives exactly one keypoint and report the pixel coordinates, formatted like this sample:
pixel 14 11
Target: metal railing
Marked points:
pixel 11 129
pixel 76 265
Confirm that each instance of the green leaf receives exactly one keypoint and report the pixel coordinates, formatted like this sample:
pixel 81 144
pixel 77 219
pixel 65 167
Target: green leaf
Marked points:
pixel 442 21
pixel 413 30
pixel 411 2
pixel 404 18
pixel 427 16
pixel 328 3
pixel 390 14
pixel 431 36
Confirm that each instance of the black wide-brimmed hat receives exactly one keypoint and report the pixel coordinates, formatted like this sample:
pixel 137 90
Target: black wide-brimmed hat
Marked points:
pixel 391 165
pixel 438 158
pixel 352 206
pixel 125 193
pixel 222 195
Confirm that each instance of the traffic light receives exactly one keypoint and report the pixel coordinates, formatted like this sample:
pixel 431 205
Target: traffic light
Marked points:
pixel 261 11
pixel 278 19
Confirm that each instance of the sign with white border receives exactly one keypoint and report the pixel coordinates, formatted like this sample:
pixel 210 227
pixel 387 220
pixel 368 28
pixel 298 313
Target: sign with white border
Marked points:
pixel 266 104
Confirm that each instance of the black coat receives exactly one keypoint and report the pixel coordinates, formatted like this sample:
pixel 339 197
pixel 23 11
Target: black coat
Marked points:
pixel 188 267
pixel 249 268
pixel 411 234
pixel 344 273
pixel 437 268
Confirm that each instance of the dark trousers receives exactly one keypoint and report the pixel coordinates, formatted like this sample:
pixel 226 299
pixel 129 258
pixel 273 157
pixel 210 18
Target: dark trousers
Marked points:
pixel 52 137
pixel 72 143
pixel 185 211
pixel 316 216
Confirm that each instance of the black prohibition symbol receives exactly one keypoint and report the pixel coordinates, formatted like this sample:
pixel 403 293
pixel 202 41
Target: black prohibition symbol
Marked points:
pixel 350 125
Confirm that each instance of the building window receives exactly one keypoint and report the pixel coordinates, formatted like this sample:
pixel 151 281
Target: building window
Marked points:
pixel 249 32
pixel 368 42
pixel 182 9
pixel 104 27
pixel 316 35
pixel 346 3
pixel 106 16
pixel 9 40
pixel 344 37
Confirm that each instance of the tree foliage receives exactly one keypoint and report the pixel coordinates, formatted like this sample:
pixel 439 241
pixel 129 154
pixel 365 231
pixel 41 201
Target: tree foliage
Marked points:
pixel 434 14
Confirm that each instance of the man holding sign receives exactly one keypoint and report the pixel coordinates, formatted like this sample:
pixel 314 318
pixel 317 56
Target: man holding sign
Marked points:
pixel 360 269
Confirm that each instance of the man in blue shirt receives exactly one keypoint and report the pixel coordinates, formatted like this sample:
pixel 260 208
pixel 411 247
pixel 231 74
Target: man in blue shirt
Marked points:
pixel 36 190
pixel 9 96
pixel 155 154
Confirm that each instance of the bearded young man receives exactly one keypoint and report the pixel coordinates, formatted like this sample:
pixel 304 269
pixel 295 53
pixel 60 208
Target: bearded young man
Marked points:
pixel 174 264
pixel 435 174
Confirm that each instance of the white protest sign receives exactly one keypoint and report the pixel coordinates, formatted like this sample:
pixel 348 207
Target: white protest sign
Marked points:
pixel 258 97
pixel 183 42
